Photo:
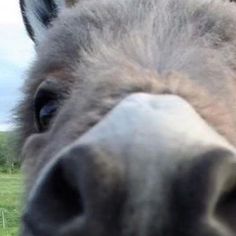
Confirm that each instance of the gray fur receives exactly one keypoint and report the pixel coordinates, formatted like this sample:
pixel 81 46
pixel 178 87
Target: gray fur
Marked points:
pixel 99 52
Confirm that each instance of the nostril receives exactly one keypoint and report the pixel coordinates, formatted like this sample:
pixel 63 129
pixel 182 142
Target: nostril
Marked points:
pixel 55 202
pixel 205 190
pixel 73 192
pixel 225 207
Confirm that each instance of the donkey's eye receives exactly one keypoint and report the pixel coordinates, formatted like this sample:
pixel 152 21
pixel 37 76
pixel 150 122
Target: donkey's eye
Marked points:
pixel 45 114
pixel 48 98
pixel 45 107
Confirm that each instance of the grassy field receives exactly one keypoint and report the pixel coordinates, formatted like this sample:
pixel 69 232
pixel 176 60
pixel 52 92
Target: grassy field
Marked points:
pixel 10 199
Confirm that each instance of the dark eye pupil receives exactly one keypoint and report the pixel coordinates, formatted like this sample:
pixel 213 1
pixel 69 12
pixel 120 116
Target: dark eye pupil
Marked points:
pixel 46 113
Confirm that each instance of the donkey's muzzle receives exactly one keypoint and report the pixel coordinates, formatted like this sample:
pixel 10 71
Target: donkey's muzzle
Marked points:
pixel 152 154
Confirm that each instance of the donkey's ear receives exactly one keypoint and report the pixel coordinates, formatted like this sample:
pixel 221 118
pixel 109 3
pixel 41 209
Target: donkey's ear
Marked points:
pixel 38 15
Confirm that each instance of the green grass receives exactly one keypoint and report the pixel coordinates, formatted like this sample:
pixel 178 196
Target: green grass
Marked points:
pixel 10 201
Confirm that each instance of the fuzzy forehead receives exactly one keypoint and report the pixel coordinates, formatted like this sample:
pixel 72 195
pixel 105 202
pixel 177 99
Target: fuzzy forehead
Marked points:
pixel 160 34
pixel 95 39
pixel 104 39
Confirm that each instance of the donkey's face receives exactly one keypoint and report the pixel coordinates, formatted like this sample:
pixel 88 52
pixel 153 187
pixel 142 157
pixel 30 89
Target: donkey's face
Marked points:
pixel 129 118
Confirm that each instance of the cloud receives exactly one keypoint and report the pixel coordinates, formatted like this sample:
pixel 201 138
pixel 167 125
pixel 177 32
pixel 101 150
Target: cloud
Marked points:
pixel 10 13
pixel 6 126
pixel 10 93
pixel 15 46
pixel 16 52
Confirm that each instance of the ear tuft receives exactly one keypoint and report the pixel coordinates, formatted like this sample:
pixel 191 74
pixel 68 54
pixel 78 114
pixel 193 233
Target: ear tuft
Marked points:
pixel 38 15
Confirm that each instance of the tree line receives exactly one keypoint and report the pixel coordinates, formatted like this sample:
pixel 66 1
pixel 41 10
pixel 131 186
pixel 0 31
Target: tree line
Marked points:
pixel 9 159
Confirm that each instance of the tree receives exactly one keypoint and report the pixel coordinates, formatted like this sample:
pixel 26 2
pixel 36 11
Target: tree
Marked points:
pixel 8 156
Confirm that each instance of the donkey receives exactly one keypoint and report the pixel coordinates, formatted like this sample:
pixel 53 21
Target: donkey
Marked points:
pixel 128 122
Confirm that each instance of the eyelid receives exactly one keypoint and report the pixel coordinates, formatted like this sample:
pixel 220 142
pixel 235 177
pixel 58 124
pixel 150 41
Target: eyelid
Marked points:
pixel 50 89
pixel 52 86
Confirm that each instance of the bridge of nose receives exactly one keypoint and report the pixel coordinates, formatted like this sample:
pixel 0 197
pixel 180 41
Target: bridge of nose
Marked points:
pixel 152 124
pixel 166 149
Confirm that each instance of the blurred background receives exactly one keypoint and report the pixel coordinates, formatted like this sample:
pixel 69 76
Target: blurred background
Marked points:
pixel 16 53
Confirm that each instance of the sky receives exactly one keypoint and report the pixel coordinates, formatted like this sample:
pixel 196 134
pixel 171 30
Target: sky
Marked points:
pixel 16 53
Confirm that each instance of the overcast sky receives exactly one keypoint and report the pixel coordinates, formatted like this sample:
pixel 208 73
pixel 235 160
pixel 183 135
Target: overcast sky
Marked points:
pixel 16 52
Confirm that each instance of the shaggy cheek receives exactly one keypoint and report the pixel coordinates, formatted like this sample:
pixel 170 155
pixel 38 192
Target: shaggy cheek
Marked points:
pixel 31 153
pixel 33 145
